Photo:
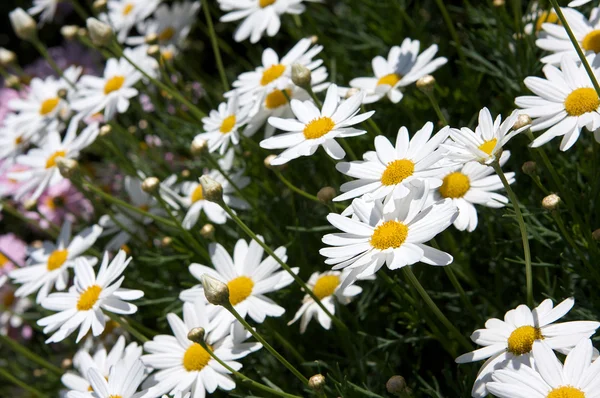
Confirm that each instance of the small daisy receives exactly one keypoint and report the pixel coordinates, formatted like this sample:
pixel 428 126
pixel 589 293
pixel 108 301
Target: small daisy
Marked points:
pixel 486 143
pixel 388 171
pixel 46 9
pixel 110 93
pixel 508 343
pixel 11 316
pixel 82 306
pixel 122 15
pixel 13 142
pixel 47 267
pixel 123 381
pixel 579 377
pixel 403 67
pixel 313 127
pixel 326 286
pixel 372 237
pixel 538 16
pixel 248 277
pixel 183 366
pixel 564 103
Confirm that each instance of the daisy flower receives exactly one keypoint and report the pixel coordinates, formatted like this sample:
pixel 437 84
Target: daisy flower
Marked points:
pixel 123 381
pixel 81 307
pixel 46 9
pixel 11 316
pixel 42 170
pixel 327 286
pixel 389 171
pixel 63 201
pixel 564 103
pixel 508 343
pixel 139 56
pixel 312 127
pixel 110 93
pixel 12 144
pixel 248 277
pixel 374 237
pixel 538 16
pixel 579 377
pixel 485 144
pixel 122 15
pixel 577 3
pixel 183 366
pixel 48 266
pixel 404 66
pixel 13 247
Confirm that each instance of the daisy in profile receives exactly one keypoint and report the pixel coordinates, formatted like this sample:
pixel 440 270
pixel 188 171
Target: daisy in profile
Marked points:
pixel 403 66
pixel 81 307
pixel 389 170
pixel 372 237
pixel 47 267
pixel 327 286
pixel 312 127
pixel 183 366
pixel 579 377
pixel 46 9
pixel 248 278
pixel 485 144
pixel 123 15
pixel 563 104
pixel 123 381
pixel 509 343
pixel 110 93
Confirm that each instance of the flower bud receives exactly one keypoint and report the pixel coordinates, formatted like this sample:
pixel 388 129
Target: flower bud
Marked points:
pixel 30 204
pixel 426 84
pixel 499 3
pixel 269 166
pixel 196 335
pixel 105 130
pixel 301 75
pixel 153 51
pixel 62 93
pixel 199 146
pixel 99 6
pixel 397 386
pixel 208 231
pixel 211 189
pixel 522 121
pixel 351 92
pixel 150 184
pixel 551 202
pixel 166 241
pixel 23 25
pixel 12 81
pixel 529 168
pixel 82 32
pixel 7 57
pixel 216 292
pixel 69 32
pixel 67 167
pixel 326 194
pixel 151 38
pixel 316 382
pixel 596 235
pixel 185 173
pixel 101 34
pixel 66 363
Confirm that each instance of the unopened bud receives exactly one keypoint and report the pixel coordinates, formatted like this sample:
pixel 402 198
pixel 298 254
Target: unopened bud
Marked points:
pixel 30 204
pixel 66 363
pixel 551 202
pixel 12 81
pixel 314 39
pixel 99 6
pixel 596 235
pixel 216 292
pixel 7 57
pixel 62 93
pixel 199 146
pixel 153 51
pixel 316 382
pixel 196 335
pixel 185 173
pixel 301 75
pixel 351 92
pixel 100 33
pixel 499 3
pixel 529 168
pixel 396 385
pixel 151 38
pixel 82 32
pixel 67 167
pixel 208 231
pixel 522 121
pixel 105 130
pixel 166 241
pixel 211 190
pixel 326 194
pixel 426 84
pixel 69 32
pixel 150 184
pixel 269 166
pixel 23 24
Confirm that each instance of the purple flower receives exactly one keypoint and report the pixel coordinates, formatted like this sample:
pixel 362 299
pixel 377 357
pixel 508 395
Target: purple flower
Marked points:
pixel 71 53
pixel 11 249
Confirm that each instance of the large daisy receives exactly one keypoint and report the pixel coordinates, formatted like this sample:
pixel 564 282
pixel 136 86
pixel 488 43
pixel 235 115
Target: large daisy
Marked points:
pixel 508 343
pixel 123 381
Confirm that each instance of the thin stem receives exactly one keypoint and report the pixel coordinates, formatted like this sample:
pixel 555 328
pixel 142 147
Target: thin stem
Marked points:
pixel 44 52
pixel 16 347
pixel 299 191
pixel 4 373
pixel 461 292
pixel 79 9
pixel 123 322
pixel 522 228
pixel 453 33
pixel 312 94
pixel 437 109
pixel 215 45
pixel 17 214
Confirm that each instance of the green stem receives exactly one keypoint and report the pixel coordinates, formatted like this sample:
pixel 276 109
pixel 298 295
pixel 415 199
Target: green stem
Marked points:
pixel 301 192
pixel 215 45
pixel 312 94
pixel 453 33
pixel 16 347
pixel 123 322
pixel 4 373
pixel 44 52
pixel 17 214
pixel 437 109
pixel 79 9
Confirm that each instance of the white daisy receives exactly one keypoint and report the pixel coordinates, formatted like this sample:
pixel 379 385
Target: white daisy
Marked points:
pixel 81 307
pixel 110 93
pixel 403 67
pixel 564 103
pixel 579 377
pixel 537 16
pixel 46 9
pixel 248 277
pixel 313 127
pixel 139 56
pixel 577 3
pixel 48 266
pixel 123 381
pixel 508 343
pixel 12 144
pixel 122 15
pixel 374 237
pixel 183 366
pixel 389 171
pixel 486 143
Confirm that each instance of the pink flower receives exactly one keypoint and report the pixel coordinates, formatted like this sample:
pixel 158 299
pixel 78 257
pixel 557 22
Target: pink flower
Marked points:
pixel 63 202
pixel 9 186
pixel 11 249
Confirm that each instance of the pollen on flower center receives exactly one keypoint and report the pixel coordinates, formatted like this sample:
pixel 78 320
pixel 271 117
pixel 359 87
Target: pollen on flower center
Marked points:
pixel 167 34
pixel 326 286
pixel 195 358
pixel 546 17
pixel 390 79
pixel 397 171
pixel 197 194
pixel 127 9
pixel 455 185
pixel 88 298
pixel 239 289
pixel 49 105
pixel 115 396
pixel 582 100
pixel 318 127
pixel 566 392
pixel 521 339
pixel 271 73
pixel 57 259
pixel 113 84
pixel 228 124
pixel 390 234
pixel 265 3
pixel 277 98
pixel 51 161
pixel 591 42
pixel 488 146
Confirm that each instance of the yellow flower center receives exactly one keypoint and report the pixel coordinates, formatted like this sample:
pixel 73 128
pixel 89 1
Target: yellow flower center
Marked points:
pixel 546 17
pixel 521 339
pixel 57 259
pixel 88 298
pixel 265 3
pixel 397 171
pixel 591 42
pixel 49 105
pixel 197 194
pixel 581 100
pixel 455 185
pixel 390 79
pixel 51 162
pixel 3 260
pixel 18 140
pixel 239 289
pixel 167 34
pixel 195 358
pixel 277 98
pixel 227 124
pixel 271 73
pixel 127 9
pixel 488 146
pixel 126 249
pixel 115 396
pixel 326 286
pixel 566 392
pixel 390 234
pixel 318 127
pixel 113 84
pixel 168 55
